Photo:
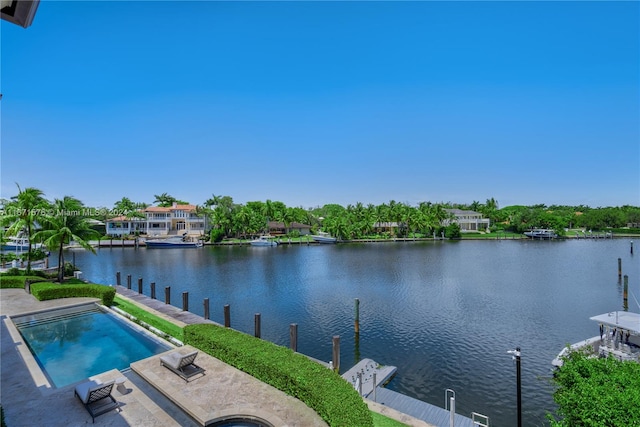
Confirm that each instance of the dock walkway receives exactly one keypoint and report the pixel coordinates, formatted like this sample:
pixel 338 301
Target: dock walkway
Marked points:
pixel 421 410
pixel 430 414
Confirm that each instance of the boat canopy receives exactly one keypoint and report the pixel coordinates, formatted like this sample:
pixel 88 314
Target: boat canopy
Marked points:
pixel 620 319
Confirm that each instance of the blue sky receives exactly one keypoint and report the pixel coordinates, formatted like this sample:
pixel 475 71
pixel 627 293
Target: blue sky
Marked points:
pixel 311 103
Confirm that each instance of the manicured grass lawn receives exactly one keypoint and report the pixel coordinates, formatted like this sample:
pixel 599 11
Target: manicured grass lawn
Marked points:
pixel 157 322
pixel 380 420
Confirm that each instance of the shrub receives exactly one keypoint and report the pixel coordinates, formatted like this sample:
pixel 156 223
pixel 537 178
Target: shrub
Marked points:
pixel 7 282
pixel 594 392
pixel 335 400
pixel 74 288
pixel 216 235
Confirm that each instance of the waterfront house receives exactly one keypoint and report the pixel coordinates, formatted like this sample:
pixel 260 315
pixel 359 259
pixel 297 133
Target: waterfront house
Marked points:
pixel 159 221
pixel 467 220
pixel 277 228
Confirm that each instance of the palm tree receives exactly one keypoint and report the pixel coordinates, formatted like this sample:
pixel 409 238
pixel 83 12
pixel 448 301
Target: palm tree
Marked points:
pixel 164 200
pixel 63 225
pixel 23 212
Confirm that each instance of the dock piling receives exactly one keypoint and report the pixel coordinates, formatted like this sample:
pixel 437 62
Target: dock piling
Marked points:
pixel 185 301
pixel 167 295
pixel 357 316
pixel 206 308
pixel 139 285
pixel 293 336
pixel 256 323
pixel 128 281
pixel 619 268
pixel 118 278
pixel 153 290
pixel 336 353
pixel 227 316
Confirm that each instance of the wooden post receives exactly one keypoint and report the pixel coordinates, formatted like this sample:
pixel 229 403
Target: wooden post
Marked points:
pixel 357 310
pixel 206 308
pixel 336 353
pixel 185 301
pixel 293 336
pixel 128 281
pixel 619 268
pixel 256 321
pixel 118 279
pixel 632 247
pixel 139 285
pixel 167 295
pixel 227 316
pixel 153 290
pixel 625 293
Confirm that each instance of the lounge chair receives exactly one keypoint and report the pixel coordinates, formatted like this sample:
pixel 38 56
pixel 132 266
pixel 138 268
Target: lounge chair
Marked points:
pixel 182 364
pixel 96 397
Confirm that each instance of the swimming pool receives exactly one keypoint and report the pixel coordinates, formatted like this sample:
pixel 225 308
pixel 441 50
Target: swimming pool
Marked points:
pixel 72 344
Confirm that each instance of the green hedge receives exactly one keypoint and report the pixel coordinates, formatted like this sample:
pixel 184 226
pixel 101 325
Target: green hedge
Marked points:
pixel 7 282
pixel 47 290
pixel 335 400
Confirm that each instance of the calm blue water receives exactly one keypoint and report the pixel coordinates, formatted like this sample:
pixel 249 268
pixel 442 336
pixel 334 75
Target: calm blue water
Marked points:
pixel 73 344
pixel 444 313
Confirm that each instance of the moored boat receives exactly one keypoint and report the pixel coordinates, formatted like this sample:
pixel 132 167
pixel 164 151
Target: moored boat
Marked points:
pixel 172 242
pixel 619 337
pixel 323 237
pixel 541 233
pixel 263 241
pixel 20 244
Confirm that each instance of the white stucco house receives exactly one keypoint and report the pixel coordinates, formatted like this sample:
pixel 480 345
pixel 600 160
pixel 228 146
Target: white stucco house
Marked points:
pixel 159 221
pixel 467 220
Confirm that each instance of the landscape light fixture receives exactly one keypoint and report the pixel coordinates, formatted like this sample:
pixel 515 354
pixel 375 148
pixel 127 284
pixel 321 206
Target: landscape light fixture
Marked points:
pixel 516 356
pixel 19 12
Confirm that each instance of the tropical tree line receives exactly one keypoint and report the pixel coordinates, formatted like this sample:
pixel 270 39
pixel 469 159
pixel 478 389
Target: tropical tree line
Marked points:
pixel 30 213
pixel 55 224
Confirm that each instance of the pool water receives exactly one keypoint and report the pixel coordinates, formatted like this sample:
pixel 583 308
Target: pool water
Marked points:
pixel 73 344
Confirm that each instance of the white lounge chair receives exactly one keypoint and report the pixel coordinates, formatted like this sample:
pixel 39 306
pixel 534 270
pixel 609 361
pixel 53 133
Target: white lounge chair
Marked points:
pixel 96 397
pixel 182 364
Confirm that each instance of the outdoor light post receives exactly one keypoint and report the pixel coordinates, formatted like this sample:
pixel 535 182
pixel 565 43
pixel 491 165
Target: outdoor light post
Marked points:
pixel 516 356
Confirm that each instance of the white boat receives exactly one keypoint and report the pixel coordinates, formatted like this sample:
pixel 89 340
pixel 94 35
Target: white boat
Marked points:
pixel 263 241
pixel 323 237
pixel 20 244
pixel 172 242
pixel 541 233
pixel 619 337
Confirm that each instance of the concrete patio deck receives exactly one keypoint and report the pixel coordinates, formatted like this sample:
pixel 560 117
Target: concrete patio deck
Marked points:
pixel 28 399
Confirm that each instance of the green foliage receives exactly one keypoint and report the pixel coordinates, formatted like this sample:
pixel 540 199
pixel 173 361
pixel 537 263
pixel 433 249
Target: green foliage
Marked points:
pixel 73 288
pixel 217 235
pixel 143 315
pixel 595 392
pixel 7 282
pixel 337 402
pixel 68 269
pixel 452 231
